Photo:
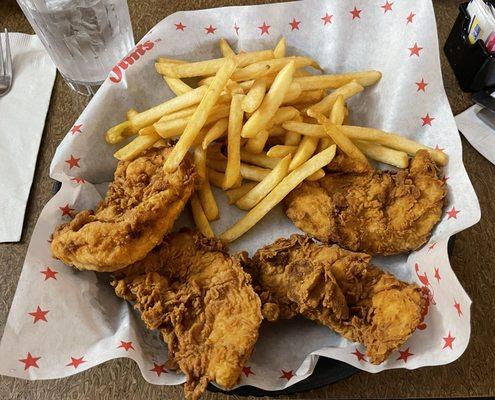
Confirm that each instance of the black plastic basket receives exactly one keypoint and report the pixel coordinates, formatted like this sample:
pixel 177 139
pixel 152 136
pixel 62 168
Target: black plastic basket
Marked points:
pixel 473 64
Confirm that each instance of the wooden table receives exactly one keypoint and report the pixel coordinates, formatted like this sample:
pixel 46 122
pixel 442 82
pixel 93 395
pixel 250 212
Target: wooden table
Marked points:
pixel 473 258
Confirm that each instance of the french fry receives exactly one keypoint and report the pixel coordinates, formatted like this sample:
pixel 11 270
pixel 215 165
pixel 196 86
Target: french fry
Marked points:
pixel 131 113
pixel 364 78
pixel 276 131
pixel 305 129
pixel 393 141
pixel 301 72
pixel 304 152
pixel 136 147
pixel 147 130
pixel 260 160
pixel 287 184
pixel 338 111
pixel 280 151
pixel 254 97
pixel 234 88
pixel 170 60
pixel 316 176
pixel 216 131
pixel 225 48
pixel 199 117
pixel 119 132
pixel 270 104
pixel 292 94
pixel 284 114
pixel 292 138
pixel 205 195
pixel 232 171
pixel 249 172
pixel 210 67
pixel 268 67
pixel 343 142
pixel 186 112
pixel 177 86
pixel 310 96
pixel 199 217
pixel 152 115
pixel 235 194
pixel 253 173
pixel 337 116
pixel 280 48
pixel 383 154
pixel 253 197
pixel 175 127
pixel 257 144
pixel 326 104
pixel 216 178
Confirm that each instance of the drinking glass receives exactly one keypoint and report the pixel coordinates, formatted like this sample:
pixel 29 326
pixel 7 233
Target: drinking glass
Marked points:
pixel 85 38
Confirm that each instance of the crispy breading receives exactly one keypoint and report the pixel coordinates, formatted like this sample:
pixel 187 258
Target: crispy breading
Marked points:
pixel 140 207
pixel 337 288
pixel 202 302
pixel 378 212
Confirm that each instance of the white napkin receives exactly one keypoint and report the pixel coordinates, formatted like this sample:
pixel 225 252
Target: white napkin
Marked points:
pixel 22 118
pixel 479 134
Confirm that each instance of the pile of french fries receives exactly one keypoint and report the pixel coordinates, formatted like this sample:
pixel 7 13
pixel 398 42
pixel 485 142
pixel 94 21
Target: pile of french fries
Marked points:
pixel 258 124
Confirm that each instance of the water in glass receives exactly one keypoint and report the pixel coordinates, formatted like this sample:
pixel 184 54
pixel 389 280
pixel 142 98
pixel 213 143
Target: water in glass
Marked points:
pixel 85 38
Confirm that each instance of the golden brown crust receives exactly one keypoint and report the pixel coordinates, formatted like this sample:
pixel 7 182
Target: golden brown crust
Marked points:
pixel 339 289
pixel 140 207
pixel 378 212
pixel 203 304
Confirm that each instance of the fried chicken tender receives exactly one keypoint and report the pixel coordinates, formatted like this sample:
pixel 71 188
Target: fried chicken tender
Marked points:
pixel 140 207
pixel 378 212
pixel 337 288
pixel 201 301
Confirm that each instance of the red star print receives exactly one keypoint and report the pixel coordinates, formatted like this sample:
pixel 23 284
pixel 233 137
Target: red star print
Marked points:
pixel 432 246
pixel 410 18
pixel 286 375
pixel 359 355
pixel 457 306
pixel 30 361
pixel 78 179
pixel 49 273
pixel 211 29
pixel 294 24
pixel 437 275
pixel 415 50
pixel 75 362
pixel 66 210
pixel 356 13
pixel 236 28
pixel 39 315
pixel 76 129
pixel 247 371
pixel 73 162
pixel 448 341
pixel 327 19
pixel 422 85
pixel 126 345
pixel 404 355
pixel 453 213
pixel 427 120
pixel 438 148
pixel 180 27
pixel 387 7
pixel 264 28
pixel 422 278
pixel 159 369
